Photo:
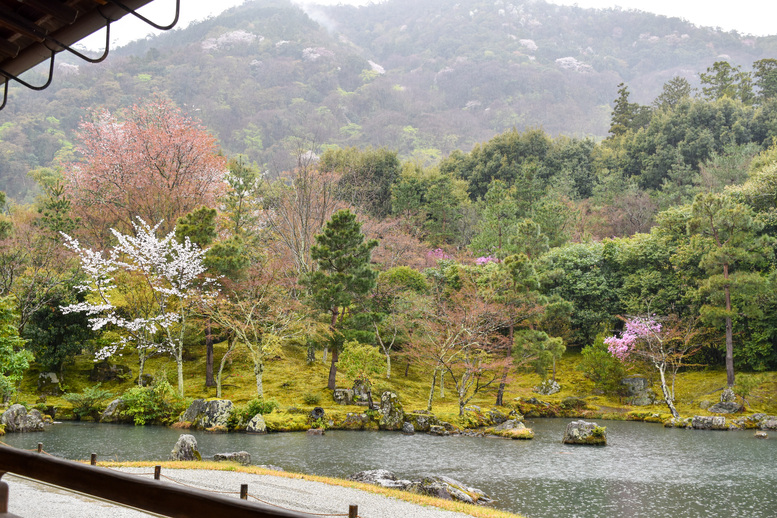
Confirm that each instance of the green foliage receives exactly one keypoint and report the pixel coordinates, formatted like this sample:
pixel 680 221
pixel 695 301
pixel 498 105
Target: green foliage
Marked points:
pixel 311 399
pixel 156 404
pixel 88 402
pixel 745 385
pixel 199 226
pixel 543 349
pixel 14 360
pixel 598 365
pixel 361 361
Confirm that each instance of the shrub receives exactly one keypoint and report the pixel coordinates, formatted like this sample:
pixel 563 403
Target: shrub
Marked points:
pixel 311 399
pixel 88 402
pixel 157 403
pixel 242 414
pixel 602 368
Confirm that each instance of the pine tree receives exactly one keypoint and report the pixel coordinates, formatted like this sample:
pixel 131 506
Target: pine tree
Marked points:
pixel 343 274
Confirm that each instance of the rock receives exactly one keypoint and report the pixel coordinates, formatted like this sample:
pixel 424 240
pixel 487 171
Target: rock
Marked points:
pixel 537 402
pixel 392 415
pixel 113 411
pixel 408 429
pixel 703 422
pixel 17 420
pixel 381 477
pixel 105 371
pixel 343 396
pixel 513 429
pixel 438 430
pixel 315 431
pixel 362 392
pixel 761 435
pixel 704 405
pixel 185 449
pixel 145 380
pixel 768 423
pixel 680 422
pixel 48 384
pixel 204 414
pixel 317 413
pixel 449 489
pixel 422 420
pixel 728 395
pixel 583 432
pixel 256 425
pixel 437 486
pixel 356 421
pixel 496 416
pixel 547 387
pixel 638 391
pixel 241 457
pixel 726 407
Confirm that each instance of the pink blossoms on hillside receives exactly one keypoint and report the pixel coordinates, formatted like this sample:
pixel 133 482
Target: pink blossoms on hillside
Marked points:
pixel 637 329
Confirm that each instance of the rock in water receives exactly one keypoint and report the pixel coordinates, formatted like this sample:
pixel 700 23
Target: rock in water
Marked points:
pixel 408 429
pixel 112 412
pixel 583 432
pixel 185 449
pixel 241 457
pixel 17 420
pixel 391 413
pixel 208 414
pixel 256 425
pixel 703 422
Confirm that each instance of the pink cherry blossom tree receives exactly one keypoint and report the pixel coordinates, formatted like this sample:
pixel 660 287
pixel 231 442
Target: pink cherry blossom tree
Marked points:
pixel 663 344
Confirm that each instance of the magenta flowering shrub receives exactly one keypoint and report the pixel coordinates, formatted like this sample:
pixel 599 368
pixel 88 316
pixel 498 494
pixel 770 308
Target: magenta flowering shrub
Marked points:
pixel 485 260
pixel 637 330
pixel 437 254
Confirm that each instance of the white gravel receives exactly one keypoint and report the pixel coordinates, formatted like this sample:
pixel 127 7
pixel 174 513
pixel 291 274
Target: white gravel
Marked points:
pixel 29 499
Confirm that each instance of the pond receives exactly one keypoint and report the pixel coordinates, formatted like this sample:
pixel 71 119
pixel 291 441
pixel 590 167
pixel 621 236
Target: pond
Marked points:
pixel 644 471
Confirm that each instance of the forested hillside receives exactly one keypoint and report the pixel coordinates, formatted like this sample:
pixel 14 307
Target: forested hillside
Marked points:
pixel 422 78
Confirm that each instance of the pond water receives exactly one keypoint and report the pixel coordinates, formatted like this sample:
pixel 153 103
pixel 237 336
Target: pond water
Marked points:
pixel 644 471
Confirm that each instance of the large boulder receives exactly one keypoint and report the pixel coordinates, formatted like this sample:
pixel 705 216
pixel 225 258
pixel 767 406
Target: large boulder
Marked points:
pixel 362 392
pixel 422 420
pixel 381 477
pixel 728 395
pixel 768 423
pixel 256 424
pixel 391 413
pixel 105 371
pixel 449 489
pixel 185 449
pixel 407 428
pixel 204 414
pixel 638 391
pixel 437 486
pixel 343 396
pixel 583 432
pixel 705 422
pixel 112 413
pixel 17 420
pixel 241 457
pixel 547 388
pixel 48 384
pixel 726 407
pixel 512 429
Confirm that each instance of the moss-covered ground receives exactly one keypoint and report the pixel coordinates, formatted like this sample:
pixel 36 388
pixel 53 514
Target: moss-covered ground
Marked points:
pixel 299 386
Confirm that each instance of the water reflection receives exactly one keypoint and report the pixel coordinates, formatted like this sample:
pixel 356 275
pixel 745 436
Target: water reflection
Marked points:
pixel 645 471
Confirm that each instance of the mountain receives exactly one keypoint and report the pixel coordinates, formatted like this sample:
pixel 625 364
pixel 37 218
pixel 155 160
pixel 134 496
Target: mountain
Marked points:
pixel 273 81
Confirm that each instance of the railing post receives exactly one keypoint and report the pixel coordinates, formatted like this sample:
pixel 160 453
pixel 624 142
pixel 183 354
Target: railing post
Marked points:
pixel 244 491
pixel 93 460
pixel 3 496
pixel 40 447
pixel 353 511
pixel 157 472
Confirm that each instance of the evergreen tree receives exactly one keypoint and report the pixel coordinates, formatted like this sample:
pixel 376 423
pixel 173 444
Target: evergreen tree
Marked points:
pixel 343 275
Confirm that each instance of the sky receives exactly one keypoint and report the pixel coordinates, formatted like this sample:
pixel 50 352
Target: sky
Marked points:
pixel 756 17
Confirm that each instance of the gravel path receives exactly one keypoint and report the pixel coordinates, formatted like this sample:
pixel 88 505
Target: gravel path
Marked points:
pixel 29 499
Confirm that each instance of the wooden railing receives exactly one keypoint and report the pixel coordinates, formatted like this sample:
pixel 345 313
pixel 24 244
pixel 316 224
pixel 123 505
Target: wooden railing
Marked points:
pixel 130 490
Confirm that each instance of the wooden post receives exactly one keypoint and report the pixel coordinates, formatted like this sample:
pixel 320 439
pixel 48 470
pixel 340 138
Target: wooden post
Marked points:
pixel 3 497
pixel 244 491
pixel 353 511
pixel 157 472
pixel 40 447
pixel 93 460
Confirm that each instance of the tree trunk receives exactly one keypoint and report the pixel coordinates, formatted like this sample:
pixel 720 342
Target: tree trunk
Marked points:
pixel 230 345
pixel 729 333
pixel 179 366
pixel 258 371
pixel 311 352
pixel 431 392
pixel 442 384
pixel 209 381
pixel 407 369
pixel 667 396
pixel 501 392
pixel 333 370
pixel 388 366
